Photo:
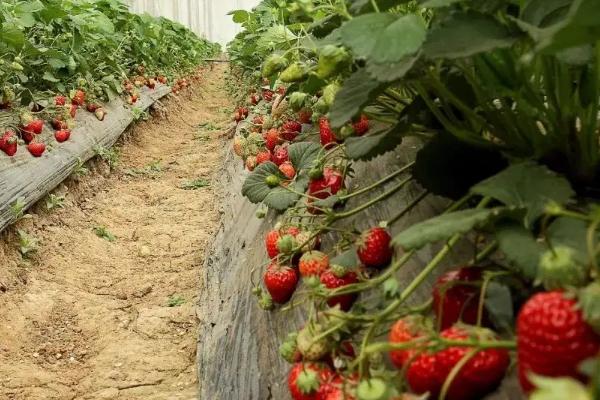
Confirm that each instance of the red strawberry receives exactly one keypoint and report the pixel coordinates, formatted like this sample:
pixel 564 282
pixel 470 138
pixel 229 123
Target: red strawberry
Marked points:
pixel 272 139
pixel 271 243
pixel 78 98
pixel 73 110
pixel 134 98
pixel 478 377
pixel 263 156
pixel 162 79
pixel 100 114
pixel 253 99
pixel 313 263
pixel 280 154
pixel 455 297
pixel 305 115
pixel 151 83
pixel 91 107
pixel 326 133
pixel 62 135
pixel 552 338
pixel 404 330
pixel 288 170
pixel 27 136
pixel 290 130
pixel 329 184
pixel 9 143
pixel 362 126
pixel 305 379
pixel 336 277
pixel 60 100
pixel 258 120
pixel 281 90
pixel 267 95
pixel 58 124
pixel 373 248
pixel 280 282
pixel 36 126
pixel 36 148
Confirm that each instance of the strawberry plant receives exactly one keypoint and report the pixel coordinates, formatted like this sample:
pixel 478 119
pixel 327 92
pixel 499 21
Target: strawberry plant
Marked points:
pixel 502 98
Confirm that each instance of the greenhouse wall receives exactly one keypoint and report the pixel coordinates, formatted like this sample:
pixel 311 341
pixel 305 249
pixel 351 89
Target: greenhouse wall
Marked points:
pixel 208 18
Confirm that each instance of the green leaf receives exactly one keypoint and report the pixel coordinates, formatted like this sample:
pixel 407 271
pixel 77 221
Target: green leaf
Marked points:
pixel 444 226
pixel 346 259
pixel 445 165
pixel 465 34
pixel 12 35
pixel 526 185
pixel 356 92
pixel 303 154
pixel 572 233
pixel 372 145
pixel 558 389
pixel 56 63
pixel 520 248
pixel 255 188
pixel 498 302
pixel 280 199
pixel 240 16
pixel 398 40
pixel 390 72
pixel 50 77
pixel 439 3
pixel 362 33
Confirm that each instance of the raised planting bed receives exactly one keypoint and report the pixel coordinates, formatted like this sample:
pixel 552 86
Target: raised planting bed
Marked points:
pixel 27 179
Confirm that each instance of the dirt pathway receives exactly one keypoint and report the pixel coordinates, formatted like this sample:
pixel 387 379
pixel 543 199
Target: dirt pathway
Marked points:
pixel 89 318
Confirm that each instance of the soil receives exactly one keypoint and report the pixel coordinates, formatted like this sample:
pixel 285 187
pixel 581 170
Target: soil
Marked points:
pixel 84 317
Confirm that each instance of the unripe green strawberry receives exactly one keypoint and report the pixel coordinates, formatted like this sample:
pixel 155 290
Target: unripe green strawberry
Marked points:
pixel 373 389
pixel 329 93
pixel 272 180
pixel 331 59
pixel 295 72
pixel 286 244
pixel 16 66
pixel 289 349
pixel 274 63
pixel 311 349
pixel 559 269
pixel 589 302
pixel 297 100
pixel 321 106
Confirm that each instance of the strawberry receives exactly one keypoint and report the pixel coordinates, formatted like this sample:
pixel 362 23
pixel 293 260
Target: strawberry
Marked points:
pixel 326 133
pixel 9 143
pixel 552 338
pixel 162 79
pixel 404 330
pixel 280 154
pixel 78 98
pixel 91 107
pixel 36 148
pixel 272 138
pixel 267 95
pixel 271 243
pixel 263 156
pixel 253 99
pixel 362 126
pixel 290 130
pixel 36 127
pixel 305 379
pixel 311 345
pixel 128 87
pixel 134 98
pixel 329 184
pixel 251 163
pixel 287 169
pixel 373 248
pixel 455 297
pixel 280 282
pixel 258 120
pixel 60 100
pixel 100 114
pixel 73 110
pixel 281 90
pixel 478 377
pixel 62 135
pixel 238 145
pixel 313 263
pixel 305 115
pixel 27 136
pixel 58 124
pixel 151 84
pixel 336 277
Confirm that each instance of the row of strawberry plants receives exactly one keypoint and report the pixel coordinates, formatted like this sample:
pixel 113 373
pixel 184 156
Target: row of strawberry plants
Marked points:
pixel 504 98
pixel 57 56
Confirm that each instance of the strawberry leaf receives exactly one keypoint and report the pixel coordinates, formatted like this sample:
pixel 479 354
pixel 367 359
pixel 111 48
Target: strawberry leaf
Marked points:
pixel 362 33
pixel 358 90
pixel 498 302
pixel 255 187
pixel 373 145
pixel 520 248
pixel 398 40
pixel 526 185
pixel 346 259
pixel 444 226
pixel 303 154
